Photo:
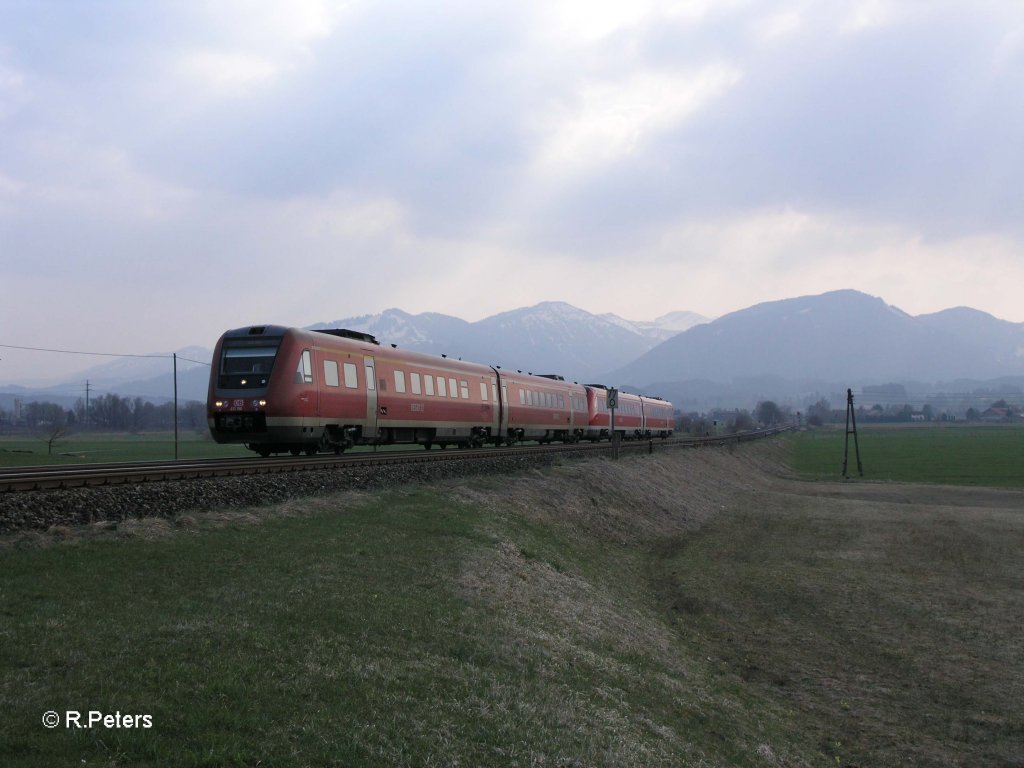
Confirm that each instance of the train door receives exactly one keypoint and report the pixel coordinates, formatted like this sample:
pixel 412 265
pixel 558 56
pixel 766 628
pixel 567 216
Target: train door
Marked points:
pixel 495 409
pixel 502 407
pixel 370 429
pixel 309 396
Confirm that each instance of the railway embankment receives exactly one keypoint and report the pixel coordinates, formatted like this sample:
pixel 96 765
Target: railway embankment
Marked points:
pixel 127 501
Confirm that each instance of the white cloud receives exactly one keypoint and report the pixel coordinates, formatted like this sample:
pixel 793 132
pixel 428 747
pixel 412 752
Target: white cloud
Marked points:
pixel 228 71
pixel 99 182
pixel 610 120
pixel 253 46
pixel 587 22
pixel 866 15
pixel 778 25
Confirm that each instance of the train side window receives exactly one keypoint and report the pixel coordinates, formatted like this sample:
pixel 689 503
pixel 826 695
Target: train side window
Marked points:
pixel 351 378
pixel 441 391
pixel 464 389
pixel 483 391
pixel 331 373
pixel 400 382
pixel 369 378
pixel 494 392
pixel 414 380
pixel 304 371
pixel 428 382
pixel 453 389
pixel 561 401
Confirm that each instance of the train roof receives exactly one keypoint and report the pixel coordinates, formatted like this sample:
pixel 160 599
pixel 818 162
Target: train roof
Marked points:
pixel 345 333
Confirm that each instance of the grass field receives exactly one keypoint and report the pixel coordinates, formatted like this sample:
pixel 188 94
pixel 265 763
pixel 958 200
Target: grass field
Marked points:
pixel 678 609
pixel 952 455
pixel 98 447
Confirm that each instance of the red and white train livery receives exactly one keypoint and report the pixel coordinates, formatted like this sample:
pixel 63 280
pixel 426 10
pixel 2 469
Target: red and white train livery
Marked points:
pixel 280 389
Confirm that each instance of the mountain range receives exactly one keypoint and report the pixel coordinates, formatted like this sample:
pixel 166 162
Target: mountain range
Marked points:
pixel 779 350
pixel 827 343
pixel 551 337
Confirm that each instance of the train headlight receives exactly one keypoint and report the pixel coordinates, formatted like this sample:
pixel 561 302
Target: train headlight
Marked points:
pixel 219 404
pixel 263 403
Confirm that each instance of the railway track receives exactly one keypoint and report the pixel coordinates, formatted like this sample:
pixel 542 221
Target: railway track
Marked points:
pixel 57 477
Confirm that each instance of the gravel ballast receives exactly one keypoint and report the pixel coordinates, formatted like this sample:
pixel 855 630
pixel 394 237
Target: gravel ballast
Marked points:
pixel 39 510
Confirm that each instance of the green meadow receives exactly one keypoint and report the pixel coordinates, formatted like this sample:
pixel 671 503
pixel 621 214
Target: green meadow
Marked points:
pixel 951 455
pixel 102 447
pixel 680 609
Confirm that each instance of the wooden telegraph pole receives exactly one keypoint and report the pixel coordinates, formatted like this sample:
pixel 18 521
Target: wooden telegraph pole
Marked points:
pixel 851 418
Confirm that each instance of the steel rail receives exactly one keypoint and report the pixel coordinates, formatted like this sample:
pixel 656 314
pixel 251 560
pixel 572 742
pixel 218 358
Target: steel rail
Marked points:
pixel 48 477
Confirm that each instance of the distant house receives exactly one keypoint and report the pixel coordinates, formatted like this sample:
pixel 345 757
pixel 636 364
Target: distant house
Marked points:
pixel 875 412
pixel 1000 414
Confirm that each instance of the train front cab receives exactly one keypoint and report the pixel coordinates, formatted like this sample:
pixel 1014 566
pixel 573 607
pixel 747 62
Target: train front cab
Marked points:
pixel 262 391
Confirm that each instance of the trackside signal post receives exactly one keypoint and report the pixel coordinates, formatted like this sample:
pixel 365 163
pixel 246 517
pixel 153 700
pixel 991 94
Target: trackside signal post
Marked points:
pixel 613 403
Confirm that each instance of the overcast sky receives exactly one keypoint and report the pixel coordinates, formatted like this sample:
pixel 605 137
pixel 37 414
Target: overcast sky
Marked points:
pixel 169 170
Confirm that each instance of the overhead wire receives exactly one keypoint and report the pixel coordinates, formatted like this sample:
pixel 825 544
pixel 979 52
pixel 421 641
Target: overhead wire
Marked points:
pixel 102 354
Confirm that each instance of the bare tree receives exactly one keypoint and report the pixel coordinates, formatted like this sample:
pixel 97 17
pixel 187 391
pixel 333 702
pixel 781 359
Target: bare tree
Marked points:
pixel 55 434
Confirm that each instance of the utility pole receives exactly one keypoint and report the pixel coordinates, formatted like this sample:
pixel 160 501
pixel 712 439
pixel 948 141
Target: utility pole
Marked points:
pixel 175 406
pixel 87 404
pixel 851 418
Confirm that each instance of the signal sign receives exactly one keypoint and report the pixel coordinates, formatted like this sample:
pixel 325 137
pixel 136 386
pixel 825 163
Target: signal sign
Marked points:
pixel 613 399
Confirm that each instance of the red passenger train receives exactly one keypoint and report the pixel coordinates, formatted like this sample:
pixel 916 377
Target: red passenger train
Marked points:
pixel 280 390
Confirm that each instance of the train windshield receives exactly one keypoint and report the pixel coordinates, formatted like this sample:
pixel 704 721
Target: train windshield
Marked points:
pixel 247 362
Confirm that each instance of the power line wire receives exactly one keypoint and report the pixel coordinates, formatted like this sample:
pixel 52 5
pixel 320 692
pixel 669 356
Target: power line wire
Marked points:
pixel 100 354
